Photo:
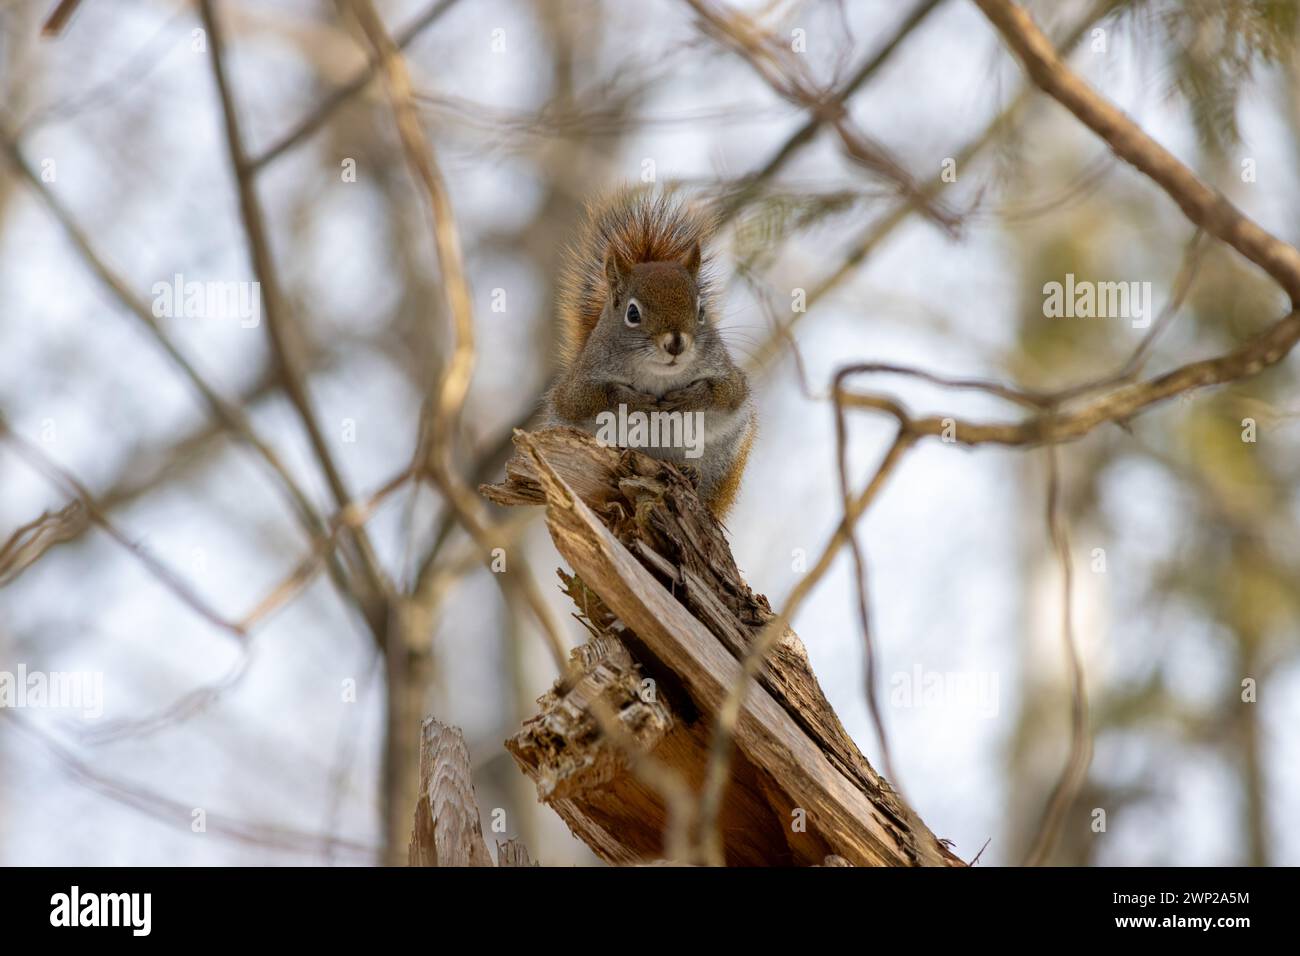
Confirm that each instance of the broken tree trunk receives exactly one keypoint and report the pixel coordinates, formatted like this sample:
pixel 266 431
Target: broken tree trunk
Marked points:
pixel 671 618
pixel 446 830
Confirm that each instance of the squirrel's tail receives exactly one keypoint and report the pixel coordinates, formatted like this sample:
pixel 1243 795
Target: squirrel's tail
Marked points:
pixel 641 224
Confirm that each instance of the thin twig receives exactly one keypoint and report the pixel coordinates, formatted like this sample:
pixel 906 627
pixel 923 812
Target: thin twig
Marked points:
pixel 70 485
pixel 874 235
pixel 808 132
pixel 180 814
pixel 318 117
pixel 375 587
pixel 785 74
pixel 29 542
pixel 724 726
pixel 1201 203
pixel 860 576
pixel 231 416
pixel 1117 405
pixel 1076 765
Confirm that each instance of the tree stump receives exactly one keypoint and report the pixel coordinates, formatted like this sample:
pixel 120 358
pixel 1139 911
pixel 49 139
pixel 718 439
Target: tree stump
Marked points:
pixel 671 617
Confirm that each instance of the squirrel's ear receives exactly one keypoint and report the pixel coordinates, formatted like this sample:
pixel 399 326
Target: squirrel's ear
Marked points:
pixel 691 261
pixel 617 271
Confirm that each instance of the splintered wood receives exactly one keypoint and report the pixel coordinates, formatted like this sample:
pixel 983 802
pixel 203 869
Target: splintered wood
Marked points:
pixel 671 618
pixel 447 831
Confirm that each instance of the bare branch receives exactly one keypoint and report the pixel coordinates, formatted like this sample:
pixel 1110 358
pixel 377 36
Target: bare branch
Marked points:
pixel 179 813
pixel 29 542
pixel 808 132
pixel 786 76
pixel 1118 405
pixel 1076 764
pixel 448 397
pixel 231 416
pixel 69 484
pixel 874 235
pixel 374 596
pixel 309 124
pixel 1201 203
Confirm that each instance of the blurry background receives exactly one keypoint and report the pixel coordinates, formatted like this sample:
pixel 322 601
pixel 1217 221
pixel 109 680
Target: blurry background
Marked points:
pixel 533 107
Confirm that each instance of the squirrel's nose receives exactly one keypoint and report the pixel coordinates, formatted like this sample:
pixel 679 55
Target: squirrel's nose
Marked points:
pixel 675 343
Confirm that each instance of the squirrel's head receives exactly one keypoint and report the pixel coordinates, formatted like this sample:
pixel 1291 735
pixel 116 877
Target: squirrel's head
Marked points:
pixel 658 309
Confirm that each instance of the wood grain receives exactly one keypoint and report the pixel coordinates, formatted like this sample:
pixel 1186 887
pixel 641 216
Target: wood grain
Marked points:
pixel 657 585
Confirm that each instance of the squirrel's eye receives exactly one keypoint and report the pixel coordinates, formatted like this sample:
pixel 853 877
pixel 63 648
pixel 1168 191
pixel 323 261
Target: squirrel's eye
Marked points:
pixel 633 316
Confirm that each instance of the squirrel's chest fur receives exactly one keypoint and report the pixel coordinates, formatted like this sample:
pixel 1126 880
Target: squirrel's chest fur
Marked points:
pixel 645 378
pixel 723 430
pixel 723 436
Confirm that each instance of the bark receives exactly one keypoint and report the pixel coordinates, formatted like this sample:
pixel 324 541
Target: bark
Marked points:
pixel 671 618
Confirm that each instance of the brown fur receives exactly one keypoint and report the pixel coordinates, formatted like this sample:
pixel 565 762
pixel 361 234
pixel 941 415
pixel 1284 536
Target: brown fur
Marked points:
pixel 635 225
pixel 724 496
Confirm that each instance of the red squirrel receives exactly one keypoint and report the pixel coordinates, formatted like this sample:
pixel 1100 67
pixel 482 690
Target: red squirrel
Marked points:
pixel 638 330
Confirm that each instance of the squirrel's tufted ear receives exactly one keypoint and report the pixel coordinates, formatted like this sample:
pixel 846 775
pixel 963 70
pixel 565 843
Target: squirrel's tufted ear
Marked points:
pixel 691 261
pixel 617 271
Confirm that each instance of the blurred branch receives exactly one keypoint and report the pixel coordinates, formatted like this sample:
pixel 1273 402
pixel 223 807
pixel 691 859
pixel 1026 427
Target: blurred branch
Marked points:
pixel 69 484
pixel 1052 400
pixel 787 78
pixel 489 462
pixel 373 596
pixel 30 541
pixel 808 132
pixel 351 518
pixel 448 396
pixel 113 88
pixel 1137 360
pixel 282 593
pixel 180 814
pixel 230 415
pixel 860 580
pixel 149 467
pixel 318 117
pixel 1201 203
pixel 59 17
pixel 1050 428
pixel 1117 405
pixel 1076 765
pixel 875 234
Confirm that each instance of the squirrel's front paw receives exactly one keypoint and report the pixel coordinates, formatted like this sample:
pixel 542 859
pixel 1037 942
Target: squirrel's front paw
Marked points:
pixel 626 395
pixel 695 395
